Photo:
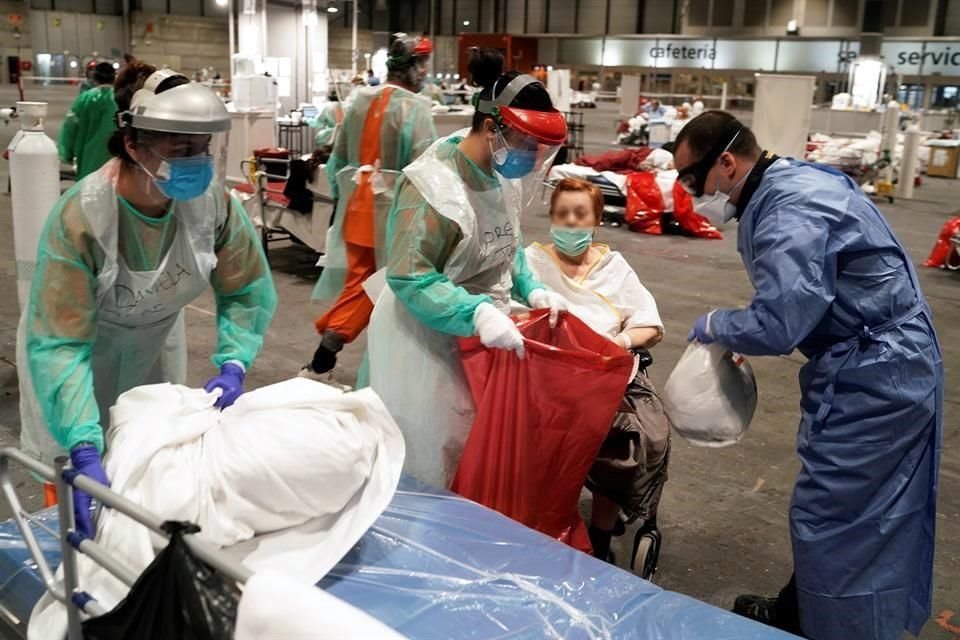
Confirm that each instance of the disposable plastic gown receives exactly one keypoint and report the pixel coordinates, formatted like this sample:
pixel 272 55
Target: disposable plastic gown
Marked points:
pixel 406 132
pixel 833 281
pixel 105 311
pixel 454 238
pixel 86 130
pixel 326 123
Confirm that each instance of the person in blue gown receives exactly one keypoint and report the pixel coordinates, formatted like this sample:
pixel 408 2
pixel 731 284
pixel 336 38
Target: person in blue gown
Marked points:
pixel 834 282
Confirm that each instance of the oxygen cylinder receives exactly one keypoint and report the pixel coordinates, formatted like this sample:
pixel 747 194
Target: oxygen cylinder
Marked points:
pixel 908 163
pixel 888 143
pixel 890 126
pixel 34 189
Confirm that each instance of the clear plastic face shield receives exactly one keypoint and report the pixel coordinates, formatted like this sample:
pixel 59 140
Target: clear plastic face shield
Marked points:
pixel 410 57
pixel 521 157
pixel 525 141
pixel 178 138
pixel 181 166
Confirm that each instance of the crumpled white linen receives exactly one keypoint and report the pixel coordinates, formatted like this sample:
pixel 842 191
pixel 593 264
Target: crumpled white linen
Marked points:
pixel 274 606
pixel 302 466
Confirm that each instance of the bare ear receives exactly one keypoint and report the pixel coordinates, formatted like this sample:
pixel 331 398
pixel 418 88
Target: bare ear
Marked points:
pixel 728 162
pixel 130 146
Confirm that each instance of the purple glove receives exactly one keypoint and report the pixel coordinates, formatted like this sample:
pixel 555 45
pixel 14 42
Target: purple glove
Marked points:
pixel 230 381
pixel 701 330
pixel 86 460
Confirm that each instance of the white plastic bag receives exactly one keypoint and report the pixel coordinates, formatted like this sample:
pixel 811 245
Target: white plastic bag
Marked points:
pixel 711 395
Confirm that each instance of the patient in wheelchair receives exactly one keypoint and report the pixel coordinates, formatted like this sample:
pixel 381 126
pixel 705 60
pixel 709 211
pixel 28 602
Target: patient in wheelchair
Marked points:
pixel 604 291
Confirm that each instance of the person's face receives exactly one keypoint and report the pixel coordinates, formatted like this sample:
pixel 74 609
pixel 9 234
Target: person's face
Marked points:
pixel 719 176
pixel 419 72
pixel 152 151
pixel 655 105
pixel 574 210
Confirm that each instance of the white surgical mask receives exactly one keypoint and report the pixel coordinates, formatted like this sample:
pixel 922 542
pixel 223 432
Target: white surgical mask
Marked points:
pixel 717 207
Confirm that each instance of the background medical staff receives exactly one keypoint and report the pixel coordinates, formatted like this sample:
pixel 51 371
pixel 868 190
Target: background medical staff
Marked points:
pixel 455 259
pixel 834 282
pixel 385 128
pixel 122 254
pixel 90 123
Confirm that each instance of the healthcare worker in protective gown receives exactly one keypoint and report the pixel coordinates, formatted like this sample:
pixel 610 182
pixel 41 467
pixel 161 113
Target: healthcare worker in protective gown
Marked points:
pixel 833 281
pixel 89 124
pixel 328 120
pixel 455 259
pixel 386 127
pixel 122 253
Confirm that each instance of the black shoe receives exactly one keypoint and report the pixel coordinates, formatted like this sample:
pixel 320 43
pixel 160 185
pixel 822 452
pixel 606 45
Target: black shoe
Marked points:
pixel 766 611
pixel 325 357
pixel 757 608
pixel 324 360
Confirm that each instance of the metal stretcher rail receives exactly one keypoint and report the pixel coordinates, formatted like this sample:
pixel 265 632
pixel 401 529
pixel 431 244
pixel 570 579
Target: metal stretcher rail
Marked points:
pixel 69 593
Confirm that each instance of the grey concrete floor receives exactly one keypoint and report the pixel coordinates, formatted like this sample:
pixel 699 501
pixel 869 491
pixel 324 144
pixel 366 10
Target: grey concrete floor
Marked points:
pixel 724 512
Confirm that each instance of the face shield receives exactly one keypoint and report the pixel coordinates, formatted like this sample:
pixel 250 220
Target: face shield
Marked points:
pixel 409 58
pixel 526 141
pixel 181 139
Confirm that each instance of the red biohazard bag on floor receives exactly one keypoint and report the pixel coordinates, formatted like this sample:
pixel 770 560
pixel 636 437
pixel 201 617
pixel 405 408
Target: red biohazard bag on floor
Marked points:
pixel 943 249
pixel 688 219
pixel 540 421
pixel 645 203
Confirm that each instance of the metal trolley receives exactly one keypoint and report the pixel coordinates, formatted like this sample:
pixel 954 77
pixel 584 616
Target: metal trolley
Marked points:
pixel 69 592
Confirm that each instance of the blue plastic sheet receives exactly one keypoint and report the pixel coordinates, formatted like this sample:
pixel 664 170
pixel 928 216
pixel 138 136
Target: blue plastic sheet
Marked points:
pixel 437 566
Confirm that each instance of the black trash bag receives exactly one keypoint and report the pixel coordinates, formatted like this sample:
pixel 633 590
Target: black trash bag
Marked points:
pixel 178 597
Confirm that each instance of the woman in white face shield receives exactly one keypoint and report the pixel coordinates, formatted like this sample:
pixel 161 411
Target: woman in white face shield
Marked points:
pixel 123 252
pixel 454 261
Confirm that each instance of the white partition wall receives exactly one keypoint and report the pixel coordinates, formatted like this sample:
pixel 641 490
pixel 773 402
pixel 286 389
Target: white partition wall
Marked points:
pixel 781 113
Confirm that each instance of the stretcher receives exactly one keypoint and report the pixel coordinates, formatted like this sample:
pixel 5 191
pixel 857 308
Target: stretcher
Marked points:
pixel 267 205
pixel 434 565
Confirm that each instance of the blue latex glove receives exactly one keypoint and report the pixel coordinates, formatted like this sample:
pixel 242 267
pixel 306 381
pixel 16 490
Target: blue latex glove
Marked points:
pixel 230 381
pixel 701 330
pixel 86 461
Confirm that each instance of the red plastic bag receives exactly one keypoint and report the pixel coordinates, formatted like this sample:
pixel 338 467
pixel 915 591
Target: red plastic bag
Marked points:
pixel 540 422
pixel 943 249
pixel 644 203
pixel 689 220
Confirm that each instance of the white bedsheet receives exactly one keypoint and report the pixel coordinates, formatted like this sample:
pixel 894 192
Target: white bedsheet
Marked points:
pixel 300 465
pixel 276 607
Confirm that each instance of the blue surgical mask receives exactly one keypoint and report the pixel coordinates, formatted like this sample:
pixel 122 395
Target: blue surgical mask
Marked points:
pixel 517 164
pixel 512 163
pixel 571 241
pixel 183 178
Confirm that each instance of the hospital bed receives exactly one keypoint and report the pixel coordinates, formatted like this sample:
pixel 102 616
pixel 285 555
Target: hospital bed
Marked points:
pixel 433 565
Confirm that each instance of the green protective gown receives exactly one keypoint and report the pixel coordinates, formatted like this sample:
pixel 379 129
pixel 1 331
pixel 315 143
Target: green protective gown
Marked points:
pixel 326 123
pixel 421 243
pixel 453 243
pixel 405 133
pixel 86 130
pixel 82 324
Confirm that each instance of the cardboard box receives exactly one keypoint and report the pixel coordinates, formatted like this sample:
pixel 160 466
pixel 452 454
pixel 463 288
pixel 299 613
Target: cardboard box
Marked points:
pixel 944 157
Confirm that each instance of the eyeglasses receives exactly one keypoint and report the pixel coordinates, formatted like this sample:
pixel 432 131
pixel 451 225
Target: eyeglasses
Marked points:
pixel 693 179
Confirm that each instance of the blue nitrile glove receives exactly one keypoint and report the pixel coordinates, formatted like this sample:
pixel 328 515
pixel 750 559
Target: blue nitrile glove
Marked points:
pixel 86 461
pixel 701 330
pixel 230 381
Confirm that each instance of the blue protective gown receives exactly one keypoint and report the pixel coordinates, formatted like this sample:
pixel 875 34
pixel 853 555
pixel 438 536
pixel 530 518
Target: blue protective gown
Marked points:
pixel 833 281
